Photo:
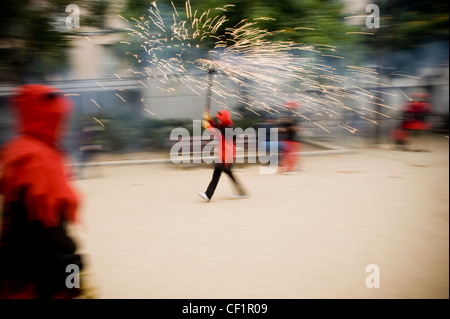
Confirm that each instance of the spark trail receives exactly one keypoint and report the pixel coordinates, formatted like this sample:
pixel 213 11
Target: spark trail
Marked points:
pixel 179 45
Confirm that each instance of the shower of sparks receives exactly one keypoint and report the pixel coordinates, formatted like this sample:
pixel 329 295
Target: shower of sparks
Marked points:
pixel 180 48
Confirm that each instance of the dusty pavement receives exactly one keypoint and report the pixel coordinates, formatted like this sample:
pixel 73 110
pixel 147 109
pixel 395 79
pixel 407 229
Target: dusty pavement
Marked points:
pixel 310 235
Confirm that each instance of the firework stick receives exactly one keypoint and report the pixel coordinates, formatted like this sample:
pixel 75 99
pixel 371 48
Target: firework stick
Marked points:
pixel 209 92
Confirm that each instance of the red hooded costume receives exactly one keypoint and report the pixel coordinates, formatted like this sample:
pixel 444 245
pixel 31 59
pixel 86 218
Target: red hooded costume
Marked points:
pixel 227 150
pixel 33 161
pixel 227 147
pixel 37 197
pixel 415 116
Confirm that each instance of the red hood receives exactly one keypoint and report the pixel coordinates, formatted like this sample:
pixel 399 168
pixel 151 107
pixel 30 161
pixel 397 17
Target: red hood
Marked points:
pixel 41 111
pixel 225 117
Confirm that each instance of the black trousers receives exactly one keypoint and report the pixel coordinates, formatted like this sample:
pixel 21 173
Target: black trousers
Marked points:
pixel 218 169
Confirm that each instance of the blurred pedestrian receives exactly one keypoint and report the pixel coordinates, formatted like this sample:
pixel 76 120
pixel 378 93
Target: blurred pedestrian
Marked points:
pixel 227 151
pixel 290 142
pixel 38 202
pixel 416 121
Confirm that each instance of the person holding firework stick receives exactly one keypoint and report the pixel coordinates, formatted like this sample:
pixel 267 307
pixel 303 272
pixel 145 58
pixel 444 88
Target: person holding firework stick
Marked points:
pixel 227 151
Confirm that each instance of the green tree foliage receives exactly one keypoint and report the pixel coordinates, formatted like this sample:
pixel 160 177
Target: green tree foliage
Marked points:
pixel 407 24
pixel 302 21
pixel 321 21
pixel 306 22
pixel 33 40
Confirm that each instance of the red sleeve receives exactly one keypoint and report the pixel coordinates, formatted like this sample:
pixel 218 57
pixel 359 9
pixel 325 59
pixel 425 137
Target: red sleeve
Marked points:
pixel 40 173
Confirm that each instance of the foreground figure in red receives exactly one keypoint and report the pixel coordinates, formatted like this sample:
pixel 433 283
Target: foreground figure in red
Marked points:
pixel 36 250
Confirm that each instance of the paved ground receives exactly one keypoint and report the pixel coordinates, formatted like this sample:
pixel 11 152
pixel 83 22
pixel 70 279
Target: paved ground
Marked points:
pixel 310 235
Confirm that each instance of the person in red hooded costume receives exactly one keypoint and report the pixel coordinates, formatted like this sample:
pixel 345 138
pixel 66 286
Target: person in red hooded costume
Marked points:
pixel 227 151
pixel 291 146
pixel 415 123
pixel 38 201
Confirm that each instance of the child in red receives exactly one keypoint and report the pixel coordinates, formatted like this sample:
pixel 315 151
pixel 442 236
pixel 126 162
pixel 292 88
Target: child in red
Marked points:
pixel 415 123
pixel 291 146
pixel 227 151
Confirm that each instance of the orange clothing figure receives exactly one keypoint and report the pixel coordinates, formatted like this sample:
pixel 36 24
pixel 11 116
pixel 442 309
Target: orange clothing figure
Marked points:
pixel 415 121
pixel 291 146
pixel 227 151
pixel 38 200
pixel 290 156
